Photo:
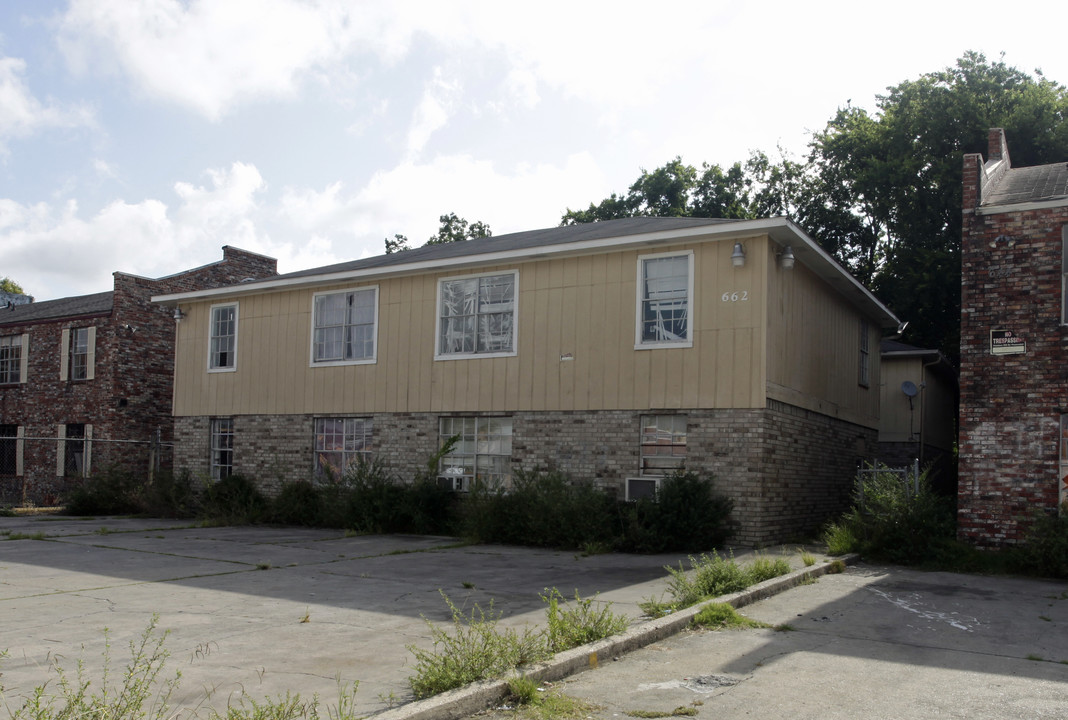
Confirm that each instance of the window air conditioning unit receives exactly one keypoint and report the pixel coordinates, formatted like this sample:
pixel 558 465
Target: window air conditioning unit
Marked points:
pixel 456 483
pixel 639 488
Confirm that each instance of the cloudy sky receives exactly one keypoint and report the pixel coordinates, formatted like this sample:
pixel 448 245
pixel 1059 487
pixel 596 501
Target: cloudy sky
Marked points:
pixel 143 135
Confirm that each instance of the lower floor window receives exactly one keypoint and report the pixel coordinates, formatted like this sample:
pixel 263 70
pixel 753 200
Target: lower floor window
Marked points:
pixel 222 448
pixel 75 451
pixel 339 442
pixel 483 450
pixel 9 449
pixel 663 444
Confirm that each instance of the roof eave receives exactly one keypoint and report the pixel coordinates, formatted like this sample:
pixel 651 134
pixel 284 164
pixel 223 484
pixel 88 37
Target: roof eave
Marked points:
pixel 780 229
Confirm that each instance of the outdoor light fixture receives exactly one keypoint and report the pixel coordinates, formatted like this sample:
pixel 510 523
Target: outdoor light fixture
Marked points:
pixel 786 258
pixel 178 314
pixel 738 256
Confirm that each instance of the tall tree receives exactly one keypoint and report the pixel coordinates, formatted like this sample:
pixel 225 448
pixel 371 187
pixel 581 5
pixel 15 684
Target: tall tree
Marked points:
pixel 453 229
pixel 10 286
pixel 901 170
pixel 674 190
pixel 881 192
pixel 457 229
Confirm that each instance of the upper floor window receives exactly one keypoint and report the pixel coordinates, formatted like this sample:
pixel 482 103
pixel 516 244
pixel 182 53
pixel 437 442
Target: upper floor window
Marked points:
pixel 345 326
pixel 12 359
pixel 864 362
pixel 665 301
pixel 222 347
pixel 476 316
pixel 78 353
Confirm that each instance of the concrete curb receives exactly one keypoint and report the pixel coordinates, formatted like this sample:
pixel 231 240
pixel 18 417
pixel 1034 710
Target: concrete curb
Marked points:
pixel 470 699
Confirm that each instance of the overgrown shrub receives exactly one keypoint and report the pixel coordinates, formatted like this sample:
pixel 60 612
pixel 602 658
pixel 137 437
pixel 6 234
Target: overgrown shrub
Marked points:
pixel 687 515
pixel 541 509
pixel 893 520
pixel 118 491
pixel 297 503
pixel 1045 550
pixel 234 500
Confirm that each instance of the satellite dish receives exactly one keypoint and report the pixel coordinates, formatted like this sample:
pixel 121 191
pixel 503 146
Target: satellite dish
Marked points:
pixel 909 388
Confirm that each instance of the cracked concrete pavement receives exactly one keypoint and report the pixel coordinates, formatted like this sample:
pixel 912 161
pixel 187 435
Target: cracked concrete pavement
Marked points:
pixel 262 611
pixel 873 642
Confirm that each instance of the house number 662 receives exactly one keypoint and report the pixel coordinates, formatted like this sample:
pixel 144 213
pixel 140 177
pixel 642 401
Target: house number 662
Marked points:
pixel 735 296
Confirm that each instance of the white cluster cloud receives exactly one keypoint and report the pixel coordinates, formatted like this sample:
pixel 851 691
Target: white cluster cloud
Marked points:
pixel 21 113
pixel 53 251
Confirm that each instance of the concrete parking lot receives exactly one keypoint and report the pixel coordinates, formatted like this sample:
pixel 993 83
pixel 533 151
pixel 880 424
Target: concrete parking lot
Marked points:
pixel 262 611
pixel 255 612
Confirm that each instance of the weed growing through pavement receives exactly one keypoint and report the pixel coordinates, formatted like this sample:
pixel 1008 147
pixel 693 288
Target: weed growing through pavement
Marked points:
pixel 584 621
pixel 723 616
pixel 477 649
pixel 141 693
pixel 836 567
pixel 808 558
pixel 306 617
pixel 25 536
pixel 681 711
pixel 528 701
pixel 710 576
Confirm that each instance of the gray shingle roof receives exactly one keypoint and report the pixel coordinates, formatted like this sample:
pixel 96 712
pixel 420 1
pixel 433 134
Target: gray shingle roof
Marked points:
pixel 80 305
pixel 514 241
pixel 1030 184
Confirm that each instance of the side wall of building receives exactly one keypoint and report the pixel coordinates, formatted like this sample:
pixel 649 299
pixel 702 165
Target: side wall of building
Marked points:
pixel 127 399
pixel 1011 404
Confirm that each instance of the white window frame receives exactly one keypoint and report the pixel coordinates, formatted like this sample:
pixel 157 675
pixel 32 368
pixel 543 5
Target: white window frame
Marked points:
pixel 356 438
pixel 477 447
pixel 864 354
pixel 370 360
pixel 66 367
pixel 212 367
pixel 21 343
pixel 663 438
pixel 439 355
pixel 217 433
pixel 640 299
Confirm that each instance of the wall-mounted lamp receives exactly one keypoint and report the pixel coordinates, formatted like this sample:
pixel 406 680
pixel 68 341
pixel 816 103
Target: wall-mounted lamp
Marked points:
pixel 178 314
pixel 738 256
pixel 786 258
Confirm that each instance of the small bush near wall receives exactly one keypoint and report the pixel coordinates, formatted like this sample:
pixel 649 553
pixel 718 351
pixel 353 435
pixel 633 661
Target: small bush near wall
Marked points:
pixel 1045 552
pixel 687 515
pixel 118 491
pixel 894 521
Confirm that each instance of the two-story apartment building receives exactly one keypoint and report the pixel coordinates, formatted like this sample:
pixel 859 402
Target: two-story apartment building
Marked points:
pixel 85 381
pixel 1014 345
pixel 614 351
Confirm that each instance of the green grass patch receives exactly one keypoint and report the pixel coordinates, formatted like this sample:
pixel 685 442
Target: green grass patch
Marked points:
pixel 723 616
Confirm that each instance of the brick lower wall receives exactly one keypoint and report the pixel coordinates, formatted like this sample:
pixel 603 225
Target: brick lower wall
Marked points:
pixel 788 470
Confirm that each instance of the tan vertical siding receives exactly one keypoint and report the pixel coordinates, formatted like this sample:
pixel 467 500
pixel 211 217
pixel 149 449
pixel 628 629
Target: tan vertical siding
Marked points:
pixel 578 306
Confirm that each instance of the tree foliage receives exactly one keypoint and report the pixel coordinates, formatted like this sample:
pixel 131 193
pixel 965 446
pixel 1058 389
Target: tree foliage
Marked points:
pixel 453 229
pixel 10 286
pixel 881 192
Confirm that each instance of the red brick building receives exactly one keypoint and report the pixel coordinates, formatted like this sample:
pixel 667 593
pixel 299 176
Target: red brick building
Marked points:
pixel 86 381
pixel 1014 345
